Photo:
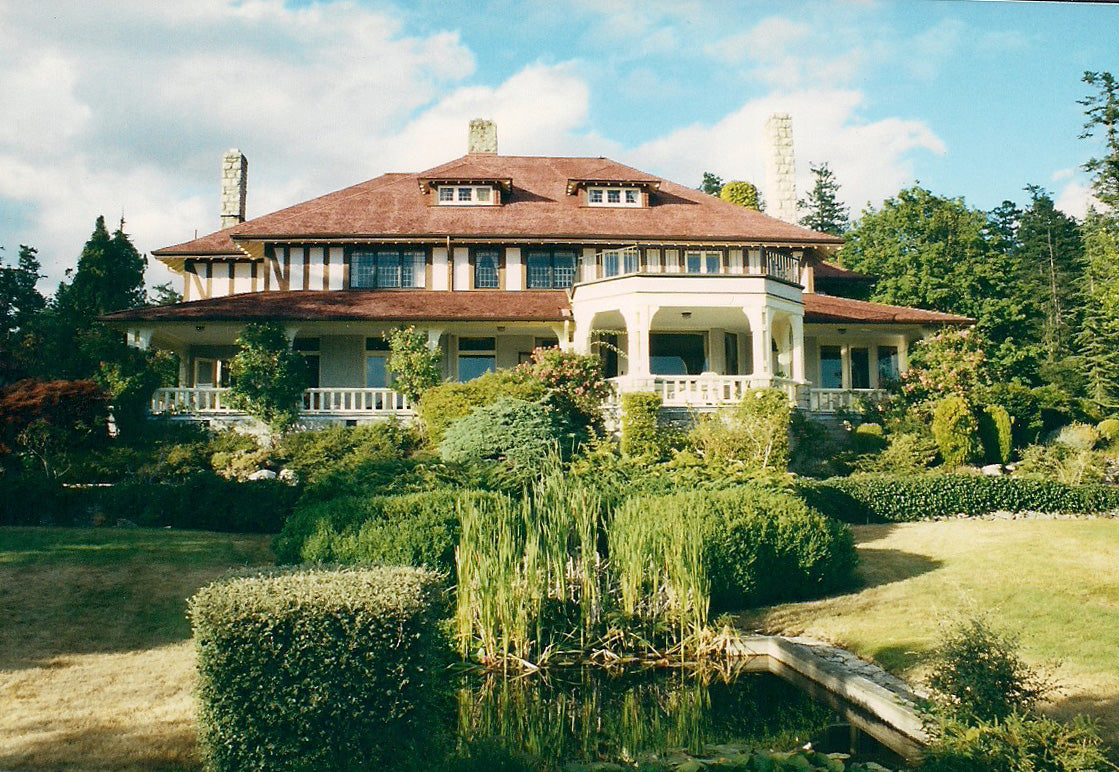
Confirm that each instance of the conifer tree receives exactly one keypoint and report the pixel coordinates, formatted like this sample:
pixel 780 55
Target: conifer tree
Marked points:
pixel 825 213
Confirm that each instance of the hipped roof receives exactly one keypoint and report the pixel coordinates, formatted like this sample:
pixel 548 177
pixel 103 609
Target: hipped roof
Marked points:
pixel 537 206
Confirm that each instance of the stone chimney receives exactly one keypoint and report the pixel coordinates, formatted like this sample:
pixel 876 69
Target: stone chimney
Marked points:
pixel 483 137
pixel 234 183
pixel 780 173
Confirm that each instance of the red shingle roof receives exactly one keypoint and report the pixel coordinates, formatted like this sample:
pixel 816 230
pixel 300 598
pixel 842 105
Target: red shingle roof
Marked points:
pixel 357 305
pixel 825 270
pixel 824 309
pixel 537 206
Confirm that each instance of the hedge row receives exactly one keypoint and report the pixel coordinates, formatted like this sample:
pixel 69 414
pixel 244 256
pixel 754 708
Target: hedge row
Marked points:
pixel 890 498
pixel 317 670
pixel 417 529
pixel 201 502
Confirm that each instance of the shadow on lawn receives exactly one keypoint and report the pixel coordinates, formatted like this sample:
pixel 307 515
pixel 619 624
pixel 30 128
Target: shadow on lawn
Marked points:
pixel 881 566
pixel 1104 709
pixel 106 748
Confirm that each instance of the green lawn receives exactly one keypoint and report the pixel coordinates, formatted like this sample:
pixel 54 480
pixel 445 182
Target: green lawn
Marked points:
pixel 1056 583
pixel 96 667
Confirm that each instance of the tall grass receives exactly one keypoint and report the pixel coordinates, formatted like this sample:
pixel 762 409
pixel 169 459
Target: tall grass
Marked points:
pixel 530 576
pixel 656 559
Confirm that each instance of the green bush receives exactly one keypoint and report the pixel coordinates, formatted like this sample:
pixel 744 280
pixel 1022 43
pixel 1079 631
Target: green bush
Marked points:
pixel 267 377
pixel 1017 744
pixel 313 455
pixel 419 529
pixel 755 433
pixel 204 502
pixel 910 452
pixel 521 434
pixel 908 498
pixel 442 405
pixel 640 425
pixel 977 674
pixel 995 434
pixel 1024 407
pixel 759 546
pixel 955 431
pixel 868 438
pixel 1078 436
pixel 318 670
pixel 1108 429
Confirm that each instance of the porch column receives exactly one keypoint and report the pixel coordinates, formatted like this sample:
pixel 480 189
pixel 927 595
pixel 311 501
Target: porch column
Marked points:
pixel 797 368
pixel 717 353
pixel 433 336
pixel 761 323
pixel 582 344
pixel 638 320
pixel 903 354
pixel 563 332
pixel 845 362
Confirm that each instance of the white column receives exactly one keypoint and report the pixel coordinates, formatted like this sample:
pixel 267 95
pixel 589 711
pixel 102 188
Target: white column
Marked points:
pixel 717 350
pixel 845 359
pixel 760 326
pixel 638 320
pixel 439 268
pixel 798 348
pixel 433 336
pixel 903 354
pixel 589 265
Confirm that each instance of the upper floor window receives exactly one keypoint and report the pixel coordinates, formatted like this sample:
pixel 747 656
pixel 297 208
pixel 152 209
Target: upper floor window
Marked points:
pixel 466 195
pixel 616 262
pixel 485 269
pixel 387 268
pixel 608 196
pixel 703 261
pixel 550 269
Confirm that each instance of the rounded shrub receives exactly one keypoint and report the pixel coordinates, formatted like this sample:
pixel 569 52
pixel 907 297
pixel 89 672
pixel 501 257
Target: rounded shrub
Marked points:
pixel 441 406
pixel 868 438
pixel 1078 436
pixel 640 424
pixel 520 433
pixel 1108 430
pixel 995 434
pixel 325 670
pixel 955 430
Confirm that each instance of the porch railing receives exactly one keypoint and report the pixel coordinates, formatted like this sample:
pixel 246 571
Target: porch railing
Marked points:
pixel 702 390
pixel 337 401
pixel 835 400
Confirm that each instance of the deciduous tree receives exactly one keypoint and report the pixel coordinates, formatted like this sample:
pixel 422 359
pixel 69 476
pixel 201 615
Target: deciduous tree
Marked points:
pixel 742 193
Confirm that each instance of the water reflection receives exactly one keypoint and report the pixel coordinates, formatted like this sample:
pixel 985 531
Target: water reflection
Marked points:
pixel 592 715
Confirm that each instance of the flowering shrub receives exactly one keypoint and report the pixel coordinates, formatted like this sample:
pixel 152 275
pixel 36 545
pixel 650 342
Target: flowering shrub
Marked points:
pixel 574 381
pixel 950 363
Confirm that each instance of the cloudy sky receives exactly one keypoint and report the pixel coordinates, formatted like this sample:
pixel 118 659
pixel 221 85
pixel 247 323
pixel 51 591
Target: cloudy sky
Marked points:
pixel 125 107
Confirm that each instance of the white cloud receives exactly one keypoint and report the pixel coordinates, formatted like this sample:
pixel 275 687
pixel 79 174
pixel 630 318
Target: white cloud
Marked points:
pixel 871 160
pixel 1075 198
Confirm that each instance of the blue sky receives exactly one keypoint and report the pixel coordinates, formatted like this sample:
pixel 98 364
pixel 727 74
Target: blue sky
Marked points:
pixel 127 106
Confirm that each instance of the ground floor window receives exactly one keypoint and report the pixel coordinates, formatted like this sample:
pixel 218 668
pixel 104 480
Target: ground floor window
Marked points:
pixel 889 364
pixel 309 349
pixel 672 353
pixel 476 357
pixel 831 367
pixel 376 363
pixel 730 349
pixel 860 368
pixel 211 373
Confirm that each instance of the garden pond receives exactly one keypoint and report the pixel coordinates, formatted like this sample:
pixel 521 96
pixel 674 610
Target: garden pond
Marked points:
pixel 650 718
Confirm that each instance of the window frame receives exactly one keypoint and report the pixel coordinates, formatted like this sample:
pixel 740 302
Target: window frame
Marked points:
pixel 551 256
pixel 369 268
pixel 474 352
pixel 452 195
pixel 704 257
pixel 476 256
pixel 615 196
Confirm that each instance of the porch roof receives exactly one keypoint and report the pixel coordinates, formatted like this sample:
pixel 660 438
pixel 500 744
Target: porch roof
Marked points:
pixel 358 305
pixel 825 309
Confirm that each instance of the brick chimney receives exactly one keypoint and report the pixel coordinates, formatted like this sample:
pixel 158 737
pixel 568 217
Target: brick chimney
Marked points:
pixel 780 173
pixel 234 183
pixel 483 137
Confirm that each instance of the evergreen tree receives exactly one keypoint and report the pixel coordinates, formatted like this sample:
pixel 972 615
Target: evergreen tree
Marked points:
pixel 1051 256
pixel 825 212
pixel 20 303
pixel 712 184
pixel 1102 115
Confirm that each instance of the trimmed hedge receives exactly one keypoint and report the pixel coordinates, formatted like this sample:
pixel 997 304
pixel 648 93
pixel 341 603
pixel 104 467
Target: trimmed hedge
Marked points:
pixel 893 498
pixel 418 529
pixel 204 502
pixel 318 670
pixel 640 423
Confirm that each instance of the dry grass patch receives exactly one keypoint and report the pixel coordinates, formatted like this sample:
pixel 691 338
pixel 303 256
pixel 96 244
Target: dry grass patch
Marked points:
pixel 1054 582
pixel 96 665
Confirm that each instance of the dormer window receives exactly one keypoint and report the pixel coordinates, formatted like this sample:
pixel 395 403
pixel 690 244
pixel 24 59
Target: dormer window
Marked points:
pixel 466 195
pixel 610 196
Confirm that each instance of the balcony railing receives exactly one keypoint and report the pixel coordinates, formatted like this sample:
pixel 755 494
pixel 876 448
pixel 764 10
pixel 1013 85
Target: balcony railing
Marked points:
pixel 335 402
pixel 835 400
